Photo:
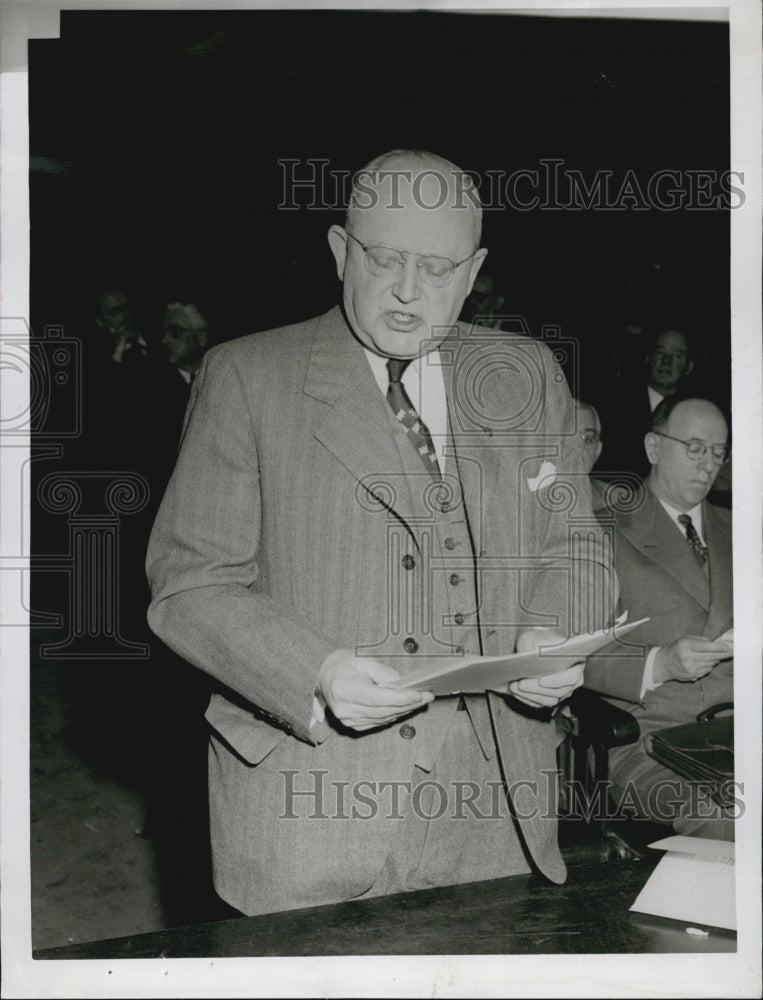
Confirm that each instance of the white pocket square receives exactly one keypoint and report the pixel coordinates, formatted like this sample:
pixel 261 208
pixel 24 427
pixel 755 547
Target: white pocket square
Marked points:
pixel 545 477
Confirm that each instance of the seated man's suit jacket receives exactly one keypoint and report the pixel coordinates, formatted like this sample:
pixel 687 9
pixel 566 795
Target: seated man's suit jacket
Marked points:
pixel 660 579
pixel 299 520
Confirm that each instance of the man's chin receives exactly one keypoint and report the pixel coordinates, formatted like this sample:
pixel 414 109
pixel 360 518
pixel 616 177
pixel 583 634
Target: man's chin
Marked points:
pixel 391 343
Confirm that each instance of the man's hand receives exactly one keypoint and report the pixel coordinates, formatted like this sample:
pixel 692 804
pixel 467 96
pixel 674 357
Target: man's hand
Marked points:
pixel 689 658
pixel 549 690
pixel 354 689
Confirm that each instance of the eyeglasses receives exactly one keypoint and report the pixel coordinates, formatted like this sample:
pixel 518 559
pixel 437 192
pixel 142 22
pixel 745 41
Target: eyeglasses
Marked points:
pixel 384 262
pixel 698 449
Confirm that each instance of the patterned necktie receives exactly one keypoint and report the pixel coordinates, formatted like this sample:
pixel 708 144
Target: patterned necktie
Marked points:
pixel 695 542
pixel 405 411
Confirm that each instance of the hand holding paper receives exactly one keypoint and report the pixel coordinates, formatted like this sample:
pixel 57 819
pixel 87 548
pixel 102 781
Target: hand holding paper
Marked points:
pixel 453 675
pixel 360 693
pixel 546 691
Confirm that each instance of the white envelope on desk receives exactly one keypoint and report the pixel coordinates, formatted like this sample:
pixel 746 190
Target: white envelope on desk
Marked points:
pixel 456 674
pixel 694 882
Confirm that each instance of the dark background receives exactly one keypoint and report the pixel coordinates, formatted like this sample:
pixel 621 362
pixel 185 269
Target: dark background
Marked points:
pixel 155 137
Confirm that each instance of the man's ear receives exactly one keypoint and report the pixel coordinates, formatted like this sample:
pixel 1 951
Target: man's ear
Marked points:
pixel 689 368
pixel 338 242
pixel 203 338
pixel 474 270
pixel 652 446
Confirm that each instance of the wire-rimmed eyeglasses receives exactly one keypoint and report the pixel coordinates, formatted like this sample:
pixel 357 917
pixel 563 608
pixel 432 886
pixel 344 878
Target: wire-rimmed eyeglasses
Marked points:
pixel 698 449
pixel 386 261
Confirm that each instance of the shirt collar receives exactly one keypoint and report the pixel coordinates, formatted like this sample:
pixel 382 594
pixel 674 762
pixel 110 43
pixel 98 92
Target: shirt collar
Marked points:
pixel 425 384
pixel 695 514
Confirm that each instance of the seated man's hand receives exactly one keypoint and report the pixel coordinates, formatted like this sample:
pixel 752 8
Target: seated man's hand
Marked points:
pixel 354 689
pixel 689 658
pixel 549 690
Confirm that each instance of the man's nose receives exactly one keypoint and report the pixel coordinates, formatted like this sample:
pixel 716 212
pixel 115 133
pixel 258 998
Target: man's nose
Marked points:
pixel 708 462
pixel 407 285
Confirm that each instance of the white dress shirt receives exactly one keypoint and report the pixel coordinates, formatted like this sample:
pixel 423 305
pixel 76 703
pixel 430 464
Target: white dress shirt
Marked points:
pixel 425 385
pixel 655 398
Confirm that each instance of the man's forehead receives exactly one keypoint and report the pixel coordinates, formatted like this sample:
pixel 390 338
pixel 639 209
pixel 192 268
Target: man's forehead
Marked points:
pixel 439 230
pixel 672 340
pixel 401 203
pixel 587 418
pixel 698 420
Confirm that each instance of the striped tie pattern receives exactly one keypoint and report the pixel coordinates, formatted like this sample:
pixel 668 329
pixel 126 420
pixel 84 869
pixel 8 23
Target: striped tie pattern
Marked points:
pixel 695 542
pixel 415 429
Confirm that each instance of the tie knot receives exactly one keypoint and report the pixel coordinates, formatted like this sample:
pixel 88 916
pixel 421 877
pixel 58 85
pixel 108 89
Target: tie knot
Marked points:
pixel 685 520
pixel 396 367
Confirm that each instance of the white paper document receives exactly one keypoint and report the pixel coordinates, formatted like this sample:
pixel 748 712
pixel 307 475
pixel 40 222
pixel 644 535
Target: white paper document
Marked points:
pixel 453 675
pixel 694 882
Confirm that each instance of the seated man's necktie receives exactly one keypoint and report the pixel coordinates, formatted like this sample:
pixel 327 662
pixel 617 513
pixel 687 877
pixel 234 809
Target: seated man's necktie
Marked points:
pixel 405 411
pixel 695 542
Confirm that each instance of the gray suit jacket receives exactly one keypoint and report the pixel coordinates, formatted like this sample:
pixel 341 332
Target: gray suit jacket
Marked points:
pixel 660 578
pixel 294 496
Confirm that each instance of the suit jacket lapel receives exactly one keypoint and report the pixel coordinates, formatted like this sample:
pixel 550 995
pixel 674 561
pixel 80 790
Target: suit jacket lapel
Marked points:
pixel 471 452
pixel 721 572
pixel 359 428
pixel 652 532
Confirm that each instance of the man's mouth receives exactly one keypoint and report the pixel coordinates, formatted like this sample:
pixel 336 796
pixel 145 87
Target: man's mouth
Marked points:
pixel 402 321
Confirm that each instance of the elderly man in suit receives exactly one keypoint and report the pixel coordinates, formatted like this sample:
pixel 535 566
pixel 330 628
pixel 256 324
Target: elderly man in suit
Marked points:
pixel 318 541
pixel 673 561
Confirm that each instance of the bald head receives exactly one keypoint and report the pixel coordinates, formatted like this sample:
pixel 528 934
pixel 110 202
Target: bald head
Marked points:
pixel 676 477
pixel 418 178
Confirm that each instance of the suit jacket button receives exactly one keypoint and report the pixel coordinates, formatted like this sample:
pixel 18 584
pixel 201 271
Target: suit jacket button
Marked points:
pixel 455 579
pixel 409 562
pixel 458 619
pixel 450 543
pixel 410 645
pixel 407 731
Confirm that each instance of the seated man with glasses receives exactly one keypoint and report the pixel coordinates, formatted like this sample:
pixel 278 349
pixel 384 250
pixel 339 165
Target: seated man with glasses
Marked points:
pixel 673 560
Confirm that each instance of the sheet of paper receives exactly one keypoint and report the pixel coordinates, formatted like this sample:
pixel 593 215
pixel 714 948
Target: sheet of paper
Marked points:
pixel 696 845
pixel 694 887
pixel 453 675
pixel 728 636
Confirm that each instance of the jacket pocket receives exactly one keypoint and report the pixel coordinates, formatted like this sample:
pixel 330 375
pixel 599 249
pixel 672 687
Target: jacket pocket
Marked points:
pixel 251 738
